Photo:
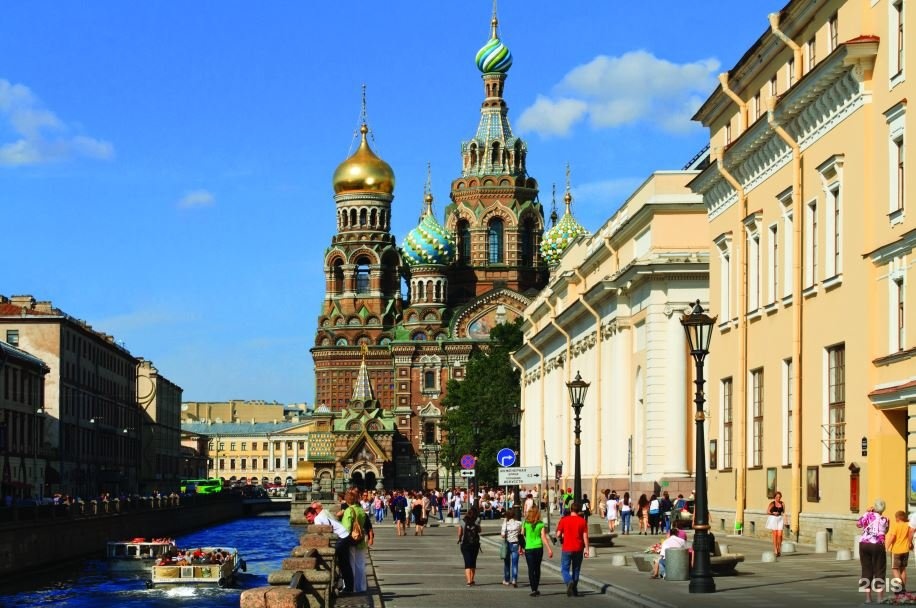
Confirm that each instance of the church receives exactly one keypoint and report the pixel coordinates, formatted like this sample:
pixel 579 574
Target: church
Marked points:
pixel 384 353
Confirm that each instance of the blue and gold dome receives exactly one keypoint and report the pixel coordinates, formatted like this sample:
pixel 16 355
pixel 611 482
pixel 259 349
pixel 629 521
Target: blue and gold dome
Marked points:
pixel 494 56
pixel 557 239
pixel 429 242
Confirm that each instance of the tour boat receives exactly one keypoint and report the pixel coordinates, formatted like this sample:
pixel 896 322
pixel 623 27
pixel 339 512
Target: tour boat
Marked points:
pixel 193 566
pixel 138 553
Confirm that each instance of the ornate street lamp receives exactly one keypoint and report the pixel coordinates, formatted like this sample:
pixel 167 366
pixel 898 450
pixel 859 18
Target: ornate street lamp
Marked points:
pixel 515 419
pixel 577 389
pixel 698 326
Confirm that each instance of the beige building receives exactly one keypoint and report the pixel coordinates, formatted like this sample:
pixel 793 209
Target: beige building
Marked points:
pixel 812 376
pixel 161 459
pixel 23 438
pixel 92 416
pixel 611 312
pixel 236 409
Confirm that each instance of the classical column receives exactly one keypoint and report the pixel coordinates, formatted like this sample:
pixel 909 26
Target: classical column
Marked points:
pixel 676 396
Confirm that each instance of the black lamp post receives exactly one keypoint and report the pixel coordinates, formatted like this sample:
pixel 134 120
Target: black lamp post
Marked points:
pixel 515 419
pixel 698 326
pixel 577 389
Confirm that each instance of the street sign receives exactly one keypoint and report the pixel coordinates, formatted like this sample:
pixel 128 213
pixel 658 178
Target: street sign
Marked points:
pixel 519 476
pixel 468 473
pixel 505 457
pixel 468 461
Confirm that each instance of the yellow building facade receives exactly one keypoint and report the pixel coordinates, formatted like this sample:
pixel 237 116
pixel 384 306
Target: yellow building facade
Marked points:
pixel 611 312
pixel 811 380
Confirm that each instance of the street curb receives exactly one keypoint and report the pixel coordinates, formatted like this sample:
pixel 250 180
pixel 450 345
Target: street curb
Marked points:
pixel 632 598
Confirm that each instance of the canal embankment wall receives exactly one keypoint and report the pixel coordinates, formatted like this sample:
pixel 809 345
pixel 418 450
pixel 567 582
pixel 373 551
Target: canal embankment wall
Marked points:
pixel 40 537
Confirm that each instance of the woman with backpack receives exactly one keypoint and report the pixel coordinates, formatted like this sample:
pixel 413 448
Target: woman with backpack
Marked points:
pixel 534 533
pixel 469 540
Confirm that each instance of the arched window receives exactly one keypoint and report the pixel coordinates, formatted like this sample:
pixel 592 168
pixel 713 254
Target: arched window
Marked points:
pixel 464 241
pixel 429 432
pixel 495 241
pixel 362 275
pixel 419 336
pixel 362 217
pixel 373 217
pixel 438 296
pixel 473 156
pixel 495 159
pixel 429 380
pixel 421 291
pixel 338 276
pixel 352 217
pixel 528 242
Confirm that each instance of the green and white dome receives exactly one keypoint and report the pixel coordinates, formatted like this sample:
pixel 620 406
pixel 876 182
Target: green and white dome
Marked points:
pixel 558 238
pixel 429 242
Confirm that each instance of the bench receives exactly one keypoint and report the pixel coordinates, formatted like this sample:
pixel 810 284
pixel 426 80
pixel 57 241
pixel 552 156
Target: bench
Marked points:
pixel 724 564
pixel 599 536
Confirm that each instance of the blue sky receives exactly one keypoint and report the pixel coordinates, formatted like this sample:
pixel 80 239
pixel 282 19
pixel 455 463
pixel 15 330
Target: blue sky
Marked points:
pixel 165 167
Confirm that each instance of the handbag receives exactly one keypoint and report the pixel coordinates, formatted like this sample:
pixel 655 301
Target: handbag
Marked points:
pixel 504 550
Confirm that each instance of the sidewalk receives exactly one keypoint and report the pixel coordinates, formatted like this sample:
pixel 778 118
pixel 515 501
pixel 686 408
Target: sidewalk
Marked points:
pixel 802 578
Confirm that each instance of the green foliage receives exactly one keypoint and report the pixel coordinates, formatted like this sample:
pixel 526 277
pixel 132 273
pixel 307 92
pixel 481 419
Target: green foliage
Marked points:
pixel 484 402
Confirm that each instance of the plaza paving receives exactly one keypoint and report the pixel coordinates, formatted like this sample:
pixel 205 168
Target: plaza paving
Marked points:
pixel 414 571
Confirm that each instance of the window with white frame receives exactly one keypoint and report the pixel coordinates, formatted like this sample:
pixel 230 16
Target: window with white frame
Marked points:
pixel 773 257
pixel 728 133
pixel 898 40
pixel 773 91
pixel 787 384
pixel 811 53
pixel 833 26
pixel 756 408
pixel 811 243
pixel 724 245
pixel 836 403
pixel 752 226
pixel 896 161
pixel 788 230
pixel 831 173
pixel 896 306
pixel 727 419
pixel 755 106
pixel 790 72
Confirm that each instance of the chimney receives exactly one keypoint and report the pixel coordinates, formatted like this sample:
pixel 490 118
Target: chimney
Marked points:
pixel 23 301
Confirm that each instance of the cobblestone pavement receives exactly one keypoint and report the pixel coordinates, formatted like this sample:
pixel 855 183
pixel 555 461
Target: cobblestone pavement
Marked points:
pixel 422 570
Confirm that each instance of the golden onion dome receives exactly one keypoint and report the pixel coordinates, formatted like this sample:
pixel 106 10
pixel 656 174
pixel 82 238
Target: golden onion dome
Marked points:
pixel 364 171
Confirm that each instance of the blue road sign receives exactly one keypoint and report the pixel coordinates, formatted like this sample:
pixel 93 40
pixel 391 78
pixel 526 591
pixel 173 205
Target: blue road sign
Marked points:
pixel 468 461
pixel 505 457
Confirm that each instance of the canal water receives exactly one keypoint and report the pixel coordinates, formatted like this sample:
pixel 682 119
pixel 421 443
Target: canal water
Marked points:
pixel 262 542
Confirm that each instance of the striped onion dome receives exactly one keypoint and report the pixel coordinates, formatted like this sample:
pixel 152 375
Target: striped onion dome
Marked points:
pixel 429 242
pixel 494 56
pixel 558 238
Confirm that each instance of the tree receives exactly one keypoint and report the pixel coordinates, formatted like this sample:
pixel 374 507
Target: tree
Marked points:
pixel 479 408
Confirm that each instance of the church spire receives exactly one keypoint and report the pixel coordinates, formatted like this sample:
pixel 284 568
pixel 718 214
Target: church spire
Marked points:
pixel 362 386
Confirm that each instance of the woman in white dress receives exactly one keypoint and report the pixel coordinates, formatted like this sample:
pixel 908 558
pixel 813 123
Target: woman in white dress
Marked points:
pixel 612 511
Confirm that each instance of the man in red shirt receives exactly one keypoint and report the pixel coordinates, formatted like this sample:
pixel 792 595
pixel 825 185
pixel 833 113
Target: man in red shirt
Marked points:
pixel 573 533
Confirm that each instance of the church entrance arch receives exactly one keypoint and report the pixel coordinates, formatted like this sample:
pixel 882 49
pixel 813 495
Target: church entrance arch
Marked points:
pixel 364 475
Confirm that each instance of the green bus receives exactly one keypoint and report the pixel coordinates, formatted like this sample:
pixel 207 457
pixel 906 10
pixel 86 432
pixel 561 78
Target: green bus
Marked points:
pixel 201 486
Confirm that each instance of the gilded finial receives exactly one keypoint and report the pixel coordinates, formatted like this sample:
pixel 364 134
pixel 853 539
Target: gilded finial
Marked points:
pixel 364 349
pixel 428 191
pixel 568 196
pixel 363 115
pixel 494 22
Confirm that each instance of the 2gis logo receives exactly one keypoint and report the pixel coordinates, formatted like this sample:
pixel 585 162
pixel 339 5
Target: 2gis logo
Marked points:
pixel 880 585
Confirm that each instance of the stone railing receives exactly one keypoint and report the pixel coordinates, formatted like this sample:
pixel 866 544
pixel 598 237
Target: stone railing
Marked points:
pixel 94 508
pixel 306 578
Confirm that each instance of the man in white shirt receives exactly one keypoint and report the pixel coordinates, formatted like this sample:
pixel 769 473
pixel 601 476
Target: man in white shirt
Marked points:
pixel 672 542
pixel 317 515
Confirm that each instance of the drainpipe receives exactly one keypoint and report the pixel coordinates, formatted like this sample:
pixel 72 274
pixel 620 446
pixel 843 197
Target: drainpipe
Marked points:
pixel 742 105
pixel 739 413
pixel 613 252
pixel 796 49
pixel 597 383
pixel 797 305
pixel 553 321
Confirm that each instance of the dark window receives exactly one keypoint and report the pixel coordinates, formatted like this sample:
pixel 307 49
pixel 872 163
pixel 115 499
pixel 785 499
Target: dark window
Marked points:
pixel 495 241
pixel 429 380
pixel 836 396
pixel 362 277
pixel 464 241
pixel 429 433
pixel 528 243
pixel 12 337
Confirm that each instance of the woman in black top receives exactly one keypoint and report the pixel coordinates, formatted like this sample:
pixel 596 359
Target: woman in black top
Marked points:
pixel 776 521
pixel 469 540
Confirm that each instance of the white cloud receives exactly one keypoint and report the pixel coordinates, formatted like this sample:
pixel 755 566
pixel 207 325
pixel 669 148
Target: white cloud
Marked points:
pixel 196 198
pixel 549 117
pixel 636 87
pixel 42 136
